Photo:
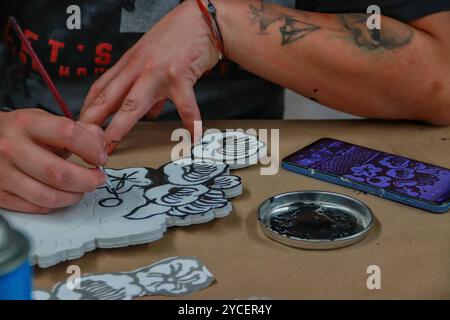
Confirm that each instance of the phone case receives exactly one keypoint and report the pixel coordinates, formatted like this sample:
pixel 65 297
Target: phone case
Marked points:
pixel 334 161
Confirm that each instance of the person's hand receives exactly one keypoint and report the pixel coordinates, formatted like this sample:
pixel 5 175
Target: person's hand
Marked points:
pixel 35 175
pixel 164 64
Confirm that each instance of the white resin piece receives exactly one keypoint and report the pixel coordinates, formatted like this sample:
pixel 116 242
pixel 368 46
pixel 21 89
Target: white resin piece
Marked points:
pixel 180 193
pixel 174 276
pixel 235 148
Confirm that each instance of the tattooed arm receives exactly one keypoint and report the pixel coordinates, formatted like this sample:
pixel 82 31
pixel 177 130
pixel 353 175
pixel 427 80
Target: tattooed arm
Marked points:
pixel 399 72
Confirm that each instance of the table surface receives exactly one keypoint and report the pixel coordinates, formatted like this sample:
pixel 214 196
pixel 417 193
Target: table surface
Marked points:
pixel 411 246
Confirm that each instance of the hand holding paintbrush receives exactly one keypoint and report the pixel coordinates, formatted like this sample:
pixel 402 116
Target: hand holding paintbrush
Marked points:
pixel 48 81
pixel 33 147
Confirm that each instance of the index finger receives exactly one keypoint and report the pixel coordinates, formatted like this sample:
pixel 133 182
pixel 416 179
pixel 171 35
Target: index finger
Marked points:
pixel 98 86
pixel 135 105
pixel 68 135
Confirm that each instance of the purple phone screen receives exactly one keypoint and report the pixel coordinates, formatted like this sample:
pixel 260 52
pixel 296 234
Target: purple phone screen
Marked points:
pixel 377 169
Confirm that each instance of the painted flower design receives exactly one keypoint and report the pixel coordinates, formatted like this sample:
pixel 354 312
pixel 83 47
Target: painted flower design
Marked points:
pixel 405 183
pixel 99 287
pixel 193 188
pixel 181 201
pixel 228 146
pixel 395 162
pixel 429 170
pixel 412 191
pixel 402 173
pixel 426 179
pixel 366 170
pixel 175 277
pixel 189 172
pixel 124 180
pixel 418 166
pixel 380 181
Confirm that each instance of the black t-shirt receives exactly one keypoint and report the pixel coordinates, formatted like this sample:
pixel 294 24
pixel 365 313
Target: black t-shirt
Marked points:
pixel 402 10
pixel 75 59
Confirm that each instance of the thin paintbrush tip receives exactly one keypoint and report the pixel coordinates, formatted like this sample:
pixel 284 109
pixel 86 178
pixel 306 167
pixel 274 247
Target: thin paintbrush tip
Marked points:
pixel 108 182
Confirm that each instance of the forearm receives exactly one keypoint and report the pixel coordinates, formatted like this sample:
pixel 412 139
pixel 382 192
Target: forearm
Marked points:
pixel 401 73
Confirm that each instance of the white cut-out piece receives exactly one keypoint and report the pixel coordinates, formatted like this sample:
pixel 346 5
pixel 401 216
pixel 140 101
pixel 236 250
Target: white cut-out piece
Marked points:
pixel 40 295
pixel 174 276
pixel 235 148
pixel 180 193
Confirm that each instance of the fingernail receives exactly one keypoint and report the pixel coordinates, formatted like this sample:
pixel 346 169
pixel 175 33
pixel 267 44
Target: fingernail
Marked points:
pixel 103 158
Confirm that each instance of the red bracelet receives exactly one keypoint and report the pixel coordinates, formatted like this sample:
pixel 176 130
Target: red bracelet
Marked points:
pixel 210 18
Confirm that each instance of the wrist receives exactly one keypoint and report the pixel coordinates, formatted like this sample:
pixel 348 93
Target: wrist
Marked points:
pixel 223 21
pixel 217 23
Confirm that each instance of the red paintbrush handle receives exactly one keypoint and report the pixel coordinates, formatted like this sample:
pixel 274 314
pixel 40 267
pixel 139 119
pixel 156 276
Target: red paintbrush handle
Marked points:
pixel 48 81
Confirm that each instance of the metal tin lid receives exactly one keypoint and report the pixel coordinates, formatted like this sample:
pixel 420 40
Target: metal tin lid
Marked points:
pixel 14 248
pixel 315 219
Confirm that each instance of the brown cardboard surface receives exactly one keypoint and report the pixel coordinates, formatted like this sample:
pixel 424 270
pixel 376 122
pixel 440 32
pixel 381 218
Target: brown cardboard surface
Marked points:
pixel 411 246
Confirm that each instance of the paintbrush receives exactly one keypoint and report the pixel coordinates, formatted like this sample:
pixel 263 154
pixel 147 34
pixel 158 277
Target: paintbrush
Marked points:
pixel 109 183
pixel 50 85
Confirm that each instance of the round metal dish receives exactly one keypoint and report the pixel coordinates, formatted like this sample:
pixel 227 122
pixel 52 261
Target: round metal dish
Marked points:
pixel 276 206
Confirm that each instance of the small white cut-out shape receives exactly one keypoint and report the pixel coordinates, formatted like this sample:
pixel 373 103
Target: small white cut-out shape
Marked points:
pixel 235 148
pixel 180 193
pixel 173 276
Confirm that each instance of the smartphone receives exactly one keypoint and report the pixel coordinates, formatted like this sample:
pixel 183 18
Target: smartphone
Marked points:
pixel 418 184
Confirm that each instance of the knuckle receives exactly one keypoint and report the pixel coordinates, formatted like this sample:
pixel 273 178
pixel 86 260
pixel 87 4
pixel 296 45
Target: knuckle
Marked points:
pixel 68 129
pixel 136 55
pixel 100 99
pixel 173 73
pixel 21 118
pixel 129 105
pixel 6 148
pixel 49 199
pixel 57 176
pixel 195 70
pixel 150 65
pixel 96 86
pixel 96 131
